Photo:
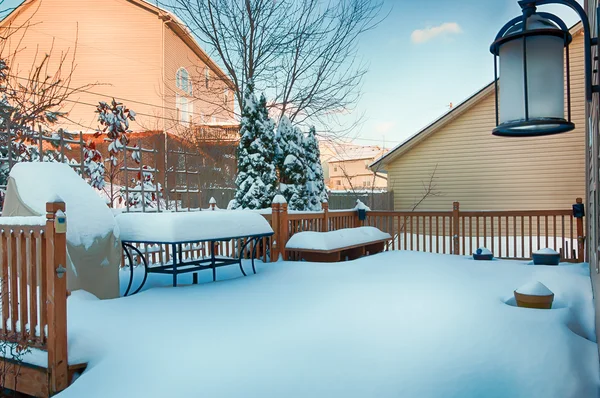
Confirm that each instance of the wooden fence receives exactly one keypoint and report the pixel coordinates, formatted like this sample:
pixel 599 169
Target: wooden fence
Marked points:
pixel 508 234
pixel 34 301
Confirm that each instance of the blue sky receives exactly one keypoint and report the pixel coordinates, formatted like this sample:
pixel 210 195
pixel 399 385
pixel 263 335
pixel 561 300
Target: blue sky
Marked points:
pixel 424 56
pixel 411 82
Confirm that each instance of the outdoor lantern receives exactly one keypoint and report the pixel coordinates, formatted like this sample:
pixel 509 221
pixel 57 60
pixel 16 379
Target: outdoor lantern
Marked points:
pixel 578 210
pixel 362 214
pixel 532 51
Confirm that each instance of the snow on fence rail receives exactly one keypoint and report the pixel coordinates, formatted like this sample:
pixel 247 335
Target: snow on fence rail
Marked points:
pixel 33 293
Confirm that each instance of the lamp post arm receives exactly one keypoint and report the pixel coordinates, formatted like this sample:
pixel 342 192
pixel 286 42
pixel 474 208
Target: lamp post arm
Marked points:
pixel 588 41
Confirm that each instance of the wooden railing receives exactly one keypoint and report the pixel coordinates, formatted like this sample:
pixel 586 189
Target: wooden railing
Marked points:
pixel 509 234
pixel 34 294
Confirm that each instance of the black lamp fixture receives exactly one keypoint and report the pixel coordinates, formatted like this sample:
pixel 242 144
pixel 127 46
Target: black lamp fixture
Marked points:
pixel 532 51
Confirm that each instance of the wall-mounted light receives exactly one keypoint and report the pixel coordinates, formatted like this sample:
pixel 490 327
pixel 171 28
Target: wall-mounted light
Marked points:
pixel 531 52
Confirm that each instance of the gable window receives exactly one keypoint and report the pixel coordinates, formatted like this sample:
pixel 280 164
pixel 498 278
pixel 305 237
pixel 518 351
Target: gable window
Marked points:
pixel 182 80
pixel 185 111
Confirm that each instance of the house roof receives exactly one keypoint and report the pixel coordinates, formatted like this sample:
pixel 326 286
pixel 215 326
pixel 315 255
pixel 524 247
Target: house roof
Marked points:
pixel 356 152
pixel 433 127
pixel 443 120
pixel 174 23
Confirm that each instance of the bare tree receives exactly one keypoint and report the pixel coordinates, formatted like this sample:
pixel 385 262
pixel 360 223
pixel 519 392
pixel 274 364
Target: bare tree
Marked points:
pixel 301 52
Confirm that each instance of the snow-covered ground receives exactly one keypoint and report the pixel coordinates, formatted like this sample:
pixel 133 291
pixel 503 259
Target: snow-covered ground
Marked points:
pixel 396 324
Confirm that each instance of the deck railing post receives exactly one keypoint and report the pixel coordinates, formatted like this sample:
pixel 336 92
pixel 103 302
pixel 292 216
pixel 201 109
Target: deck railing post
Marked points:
pixel 283 229
pixel 455 228
pixel 325 227
pixel 580 236
pixel 275 224
pixel 56 299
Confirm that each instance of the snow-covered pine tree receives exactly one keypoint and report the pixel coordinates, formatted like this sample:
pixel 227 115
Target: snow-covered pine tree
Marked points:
pixel 257 178
pixel 315 183
pixel 291 162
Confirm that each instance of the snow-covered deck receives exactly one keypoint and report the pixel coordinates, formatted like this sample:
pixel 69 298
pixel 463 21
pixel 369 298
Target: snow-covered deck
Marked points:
pixel 397 324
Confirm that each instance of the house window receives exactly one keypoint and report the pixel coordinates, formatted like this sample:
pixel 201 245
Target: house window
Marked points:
pixel 335 169
pixel 182 80
pixel 338 182
pixel 206 76
pixel 364 183
pixel 226 95
pixel 185 110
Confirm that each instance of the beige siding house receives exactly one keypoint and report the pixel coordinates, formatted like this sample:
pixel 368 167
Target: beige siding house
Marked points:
pixel 129 49
pixel 484 172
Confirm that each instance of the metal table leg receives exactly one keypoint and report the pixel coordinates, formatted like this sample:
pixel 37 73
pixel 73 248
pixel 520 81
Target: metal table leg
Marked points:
pixel 174 248
pixel 126 248
pixel 213 261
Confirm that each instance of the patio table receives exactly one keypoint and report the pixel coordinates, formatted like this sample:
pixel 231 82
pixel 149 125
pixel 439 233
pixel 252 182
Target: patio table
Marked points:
pixel 178 230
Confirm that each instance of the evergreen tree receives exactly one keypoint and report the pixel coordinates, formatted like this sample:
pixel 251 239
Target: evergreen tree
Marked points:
pixel 315 184
pixel 291 161
pixel 257 179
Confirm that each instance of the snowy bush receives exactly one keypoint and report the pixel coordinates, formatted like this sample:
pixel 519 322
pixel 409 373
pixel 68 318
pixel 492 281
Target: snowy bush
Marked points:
pixel 257 178
pixel 291 161
pixel 315 184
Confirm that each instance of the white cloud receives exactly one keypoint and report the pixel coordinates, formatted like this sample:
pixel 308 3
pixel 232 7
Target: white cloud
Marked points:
pixel 422 35
pixel 384 127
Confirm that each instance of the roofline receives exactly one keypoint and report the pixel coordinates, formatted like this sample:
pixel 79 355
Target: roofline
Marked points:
pixel 168 18
pixel 433 126
pixel 444 119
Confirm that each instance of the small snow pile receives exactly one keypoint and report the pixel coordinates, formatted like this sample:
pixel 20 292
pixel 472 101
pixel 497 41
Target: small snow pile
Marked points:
pixel 279 199
pixel 546 251
pixel 191 226
pixel 88 216
pixel 212 201
pixel 534 289
pixel 309 240
pixel 361 206
pixel 483 251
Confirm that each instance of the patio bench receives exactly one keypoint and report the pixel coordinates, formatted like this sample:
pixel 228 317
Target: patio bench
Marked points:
pixel 334 246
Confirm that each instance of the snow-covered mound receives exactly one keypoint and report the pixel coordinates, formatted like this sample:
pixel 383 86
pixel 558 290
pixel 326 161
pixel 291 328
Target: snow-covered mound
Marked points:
pixel 331 240
pixel 93 247
pixel 534 289
pixel 483 251
pixel 36 183
pixel 547 250
pixel 191 226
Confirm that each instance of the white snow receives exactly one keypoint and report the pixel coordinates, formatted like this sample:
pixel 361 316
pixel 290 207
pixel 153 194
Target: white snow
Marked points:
pixel 88 217
pixel 30 221
pixel 484 251
pixel 279 199
pixel 534 289
pixel 190 226
pixel 547 250
pixel 361 206
pixel 396 324
pixel 212 201
pixel 335 239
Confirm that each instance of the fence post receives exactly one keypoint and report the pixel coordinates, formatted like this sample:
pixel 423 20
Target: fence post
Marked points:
pixel 455 228
pixel 580 236
pixel 213 203
pixel 283 229
pixel 275 209
pixel 56 279
pixel 325 206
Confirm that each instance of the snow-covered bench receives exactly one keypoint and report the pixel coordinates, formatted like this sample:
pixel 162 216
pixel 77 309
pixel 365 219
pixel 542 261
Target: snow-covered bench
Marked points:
pixel 333 246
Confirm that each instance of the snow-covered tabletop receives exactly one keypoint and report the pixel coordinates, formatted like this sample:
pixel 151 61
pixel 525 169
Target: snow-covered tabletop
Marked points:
pixel 191 226
pixel 332 240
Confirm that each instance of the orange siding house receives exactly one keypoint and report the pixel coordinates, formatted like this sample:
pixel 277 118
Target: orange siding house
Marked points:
pixel 128 49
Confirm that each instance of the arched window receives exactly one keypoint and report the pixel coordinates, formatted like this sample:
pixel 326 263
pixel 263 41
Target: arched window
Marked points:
pixel 182 79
